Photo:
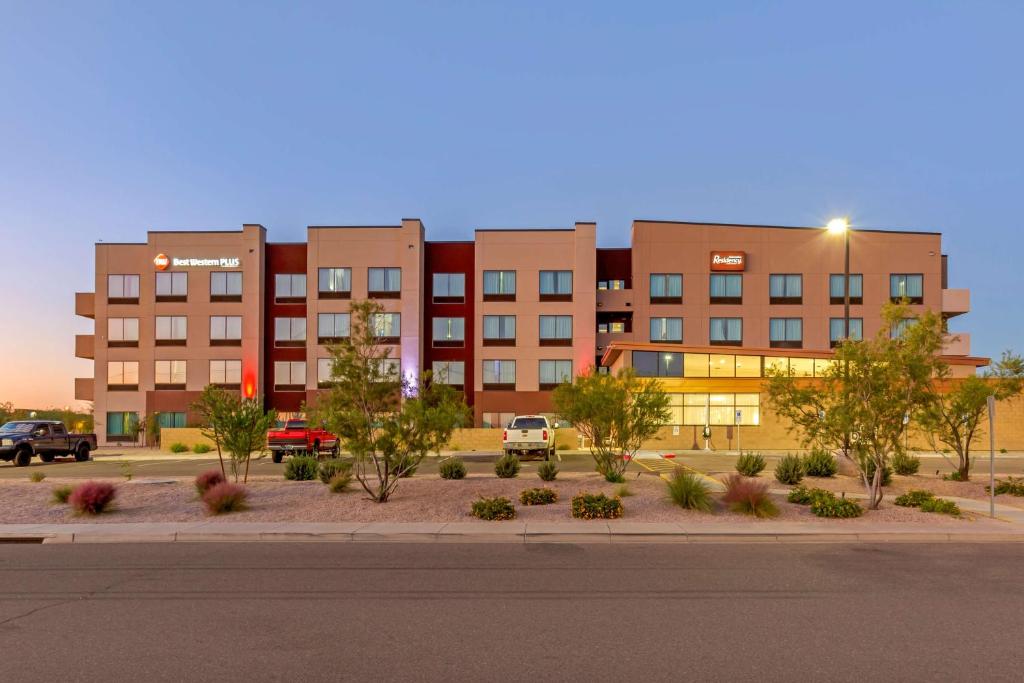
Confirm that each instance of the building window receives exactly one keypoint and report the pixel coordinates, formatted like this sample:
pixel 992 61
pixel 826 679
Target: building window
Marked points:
pixel 122 425
pixel 556 285
pixel 786 333
pixel 611 284
pixel 450 372
pixel 785 289
pixel 449 288
pixel 289 332
pixel 726 288
pixel 290 288
pixel 556 330
pixel 496 420
pixel 658 364
pixel 225 330
pixel 226 286
pixel 449 332
pixel 325 372
pixel 334 283
pixel 835 288
pixel 387 370
pixel 122 289
pixel 226 374
pixel 668 330
pixel 172 286
pixel 171 330
pixel 289 375
pixel 331 328
pixel 611 328
pixel 170 374
pixel 899 328
pixel 385 283
pixel 837 330
pixel 122 332
pixel 387 327
pixel 714 409
pixel 666 288
pixel 554 372
pixel 726 331
pixel 499 374
pixel 122 375
pixel 905 286
pixel 499 285
pixel 499 330
pixel 170 420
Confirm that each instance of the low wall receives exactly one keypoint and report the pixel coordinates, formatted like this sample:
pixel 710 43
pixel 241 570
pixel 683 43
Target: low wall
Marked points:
pixel 190 436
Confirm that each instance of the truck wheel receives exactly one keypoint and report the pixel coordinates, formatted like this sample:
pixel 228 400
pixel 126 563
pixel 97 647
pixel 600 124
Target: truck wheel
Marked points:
pixel 277 457
pixel 334 451
pixel 46 457
pixel 316 449
pixel 23 457
pixel 82 453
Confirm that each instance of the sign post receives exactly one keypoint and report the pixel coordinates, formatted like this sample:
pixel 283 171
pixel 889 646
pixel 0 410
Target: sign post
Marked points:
pixel 739 421
pixel 991 456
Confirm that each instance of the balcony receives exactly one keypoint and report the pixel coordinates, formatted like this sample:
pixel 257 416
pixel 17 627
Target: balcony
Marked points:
pixel 957 344
pixel 85 346
pixel 85 304
pixel 85 389
pixel 955 302
pixel 615 299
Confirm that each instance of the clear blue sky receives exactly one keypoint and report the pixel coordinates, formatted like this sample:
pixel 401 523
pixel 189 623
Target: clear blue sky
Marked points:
pixel 122 117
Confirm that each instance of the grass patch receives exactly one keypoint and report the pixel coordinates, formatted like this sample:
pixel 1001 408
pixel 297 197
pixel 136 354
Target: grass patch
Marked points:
pixel 493 509
pixel 689 491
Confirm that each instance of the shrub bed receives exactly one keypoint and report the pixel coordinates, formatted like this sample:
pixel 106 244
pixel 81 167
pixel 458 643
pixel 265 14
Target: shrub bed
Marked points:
pixel 689 491
pixel 204 481
pixel 61 494
pixel 802 495
pixel 750 464
pixel 301 468
pixel 538 497
pixel 1011 485
pixel 225 497
pixel 547 471
pixel 941 506
pixel 330 468
pixel 452 468
pixel 595 506
pixel 790 469
pixel 831 506
pixel 820 463
pixel 749 496
pixel 340 481
pixel 914 499
pixel 178 447
pixel 493 509
pixel 92 497
pixel 201 448
pixel 905 465
pixel 507 466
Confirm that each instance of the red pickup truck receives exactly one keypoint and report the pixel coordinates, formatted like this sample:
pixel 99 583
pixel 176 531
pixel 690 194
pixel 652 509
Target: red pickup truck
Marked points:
pixel 295 437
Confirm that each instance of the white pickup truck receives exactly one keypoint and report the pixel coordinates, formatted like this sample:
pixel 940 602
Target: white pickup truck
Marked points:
pixel 529 434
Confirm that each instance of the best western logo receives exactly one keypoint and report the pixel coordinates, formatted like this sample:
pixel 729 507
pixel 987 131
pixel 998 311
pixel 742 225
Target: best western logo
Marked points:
pixel 161 261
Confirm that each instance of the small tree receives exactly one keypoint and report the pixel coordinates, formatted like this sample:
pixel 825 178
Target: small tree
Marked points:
pixel 953 418
pixel 153 429
pixel 244 431
pixel 615 413
pixel 213 406
pixel 134 427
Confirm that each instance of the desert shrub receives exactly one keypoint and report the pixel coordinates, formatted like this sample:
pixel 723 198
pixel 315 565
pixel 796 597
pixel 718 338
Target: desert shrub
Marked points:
pixel 595 506
pixel 340 481
pixel 452 468
pixel 537 497
pixel 749 496
pixel 327 469
pixel 750 464
pixel 820 463
pixel 301 468
pixel 507 466
pixel 802 495
pixel 178 447
pixel 688 491
pixel 36 477
pixel 1011 485
pixel 614 477
pixel 92 497
pixel 61 494
pixel 201 448
pixel 405 465
pixel 913 499
pixel 547 471
pixel 904 464
pixel 941 506
pixel 953 476
pixel 493 508
pixel 790 469
pixel 225 497
pixel 886 473
pixel 623 491
pixel 206 480
pixel 831 506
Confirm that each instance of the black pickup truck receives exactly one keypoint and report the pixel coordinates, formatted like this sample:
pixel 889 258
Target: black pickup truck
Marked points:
pixel 21 439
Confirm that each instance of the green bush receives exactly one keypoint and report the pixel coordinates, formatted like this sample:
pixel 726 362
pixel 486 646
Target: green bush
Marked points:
pixel 689 491
pixel 507 466
pixel 538 497
pixel 749 496
pixel 830 506
pixel 493 508
pixel 547 471
pixel 802 495
pixel 201 448
pixel 61 494
pixel 595 506
pixel 914 499
pixel 340 481
pixel 953 476
pixel 790 469
pixel 820 463
pixel 452 468
pixel 331 467
pixel 750 464
pixel 941 506
pixel 886 473
pixel 301 468
pixel 404 466
pixel 905 465
pixel 36 477
pixel 178 447
pixel 614 478
pixel 1011 485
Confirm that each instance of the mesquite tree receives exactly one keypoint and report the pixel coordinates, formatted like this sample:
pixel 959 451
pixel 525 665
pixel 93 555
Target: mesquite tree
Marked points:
pixel 236 425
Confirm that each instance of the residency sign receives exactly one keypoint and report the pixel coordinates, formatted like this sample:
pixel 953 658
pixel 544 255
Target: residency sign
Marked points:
pixel 728 260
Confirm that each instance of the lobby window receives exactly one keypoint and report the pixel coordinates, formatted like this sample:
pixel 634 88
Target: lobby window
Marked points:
pixel 170 374
pixel 122 425
pixel 226 374
pixel 748 366
pixel 499 285
pixel 726 288
pixel 906 286
pixel 499 330
pixel 289 375
pixel 172 286
pixel 290 288
pixel 556 330
pixel 122 332
pixel 837 331
pixel 726 331
pixel 387 370
pixel 716 409
pixel 499 374
pixel 556 285
pixel 450 372
pixel 657 364
pixel 449 288
pixel 122 289
pixel 334 283
pixel 289 332
pixel 122 375
pixel 786 333
pixel 226 286
pixel 668 330
pixel 225 330
pixel 785 289
pixel 332 327
pixel 171 330
pixel 666 288
pixel 449 332
pixel 325 372
pixel 496 420
pixel 835 288
pixel 384 283
pixel 387 327
pixel 170 420
pixel 554 372
pixel 604 285
pixel 899 328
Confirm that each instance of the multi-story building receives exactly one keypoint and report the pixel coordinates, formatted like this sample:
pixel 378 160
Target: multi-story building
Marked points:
pixel 504 317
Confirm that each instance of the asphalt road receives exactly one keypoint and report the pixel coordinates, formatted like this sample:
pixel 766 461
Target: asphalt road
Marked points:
pixel 510 612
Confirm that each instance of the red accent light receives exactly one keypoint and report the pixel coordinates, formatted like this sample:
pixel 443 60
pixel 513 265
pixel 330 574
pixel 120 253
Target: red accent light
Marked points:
pixel 250 389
